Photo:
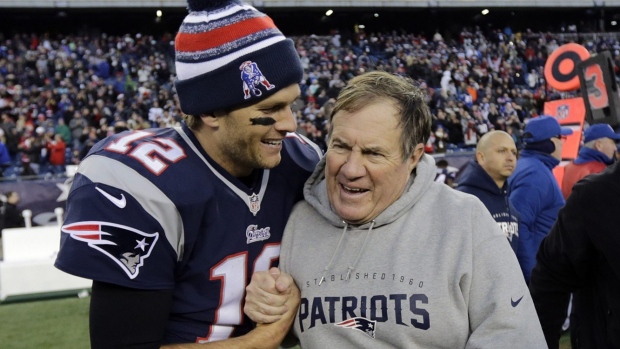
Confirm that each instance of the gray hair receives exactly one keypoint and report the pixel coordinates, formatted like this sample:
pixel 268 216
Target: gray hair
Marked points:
pixel 409 100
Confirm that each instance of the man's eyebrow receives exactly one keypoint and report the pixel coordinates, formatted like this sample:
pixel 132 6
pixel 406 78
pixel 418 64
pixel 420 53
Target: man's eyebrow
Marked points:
pixel 274 105
pixel 372 149
pixel 336 139
pixel 263 120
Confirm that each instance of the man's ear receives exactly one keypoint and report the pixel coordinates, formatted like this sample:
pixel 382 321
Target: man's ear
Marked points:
pixel 479 157
pixel 598 144
pixel 416 155
pixel 210 120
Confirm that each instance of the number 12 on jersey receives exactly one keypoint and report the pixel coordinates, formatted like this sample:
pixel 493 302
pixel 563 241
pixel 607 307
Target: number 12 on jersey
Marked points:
pixel 232 273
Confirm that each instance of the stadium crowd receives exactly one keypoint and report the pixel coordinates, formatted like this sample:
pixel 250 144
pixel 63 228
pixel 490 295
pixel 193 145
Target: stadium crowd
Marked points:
pixel 60 94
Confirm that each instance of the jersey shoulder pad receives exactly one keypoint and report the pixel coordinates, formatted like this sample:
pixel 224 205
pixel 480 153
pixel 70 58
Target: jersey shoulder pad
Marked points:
pixel 302 151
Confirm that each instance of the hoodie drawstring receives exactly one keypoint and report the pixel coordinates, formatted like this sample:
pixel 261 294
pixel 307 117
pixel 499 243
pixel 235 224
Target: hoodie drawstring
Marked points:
pixel 359 253
pixel 344 231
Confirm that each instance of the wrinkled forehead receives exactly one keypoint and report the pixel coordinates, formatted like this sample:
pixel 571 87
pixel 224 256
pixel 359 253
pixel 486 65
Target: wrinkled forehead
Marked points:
pixel 372 126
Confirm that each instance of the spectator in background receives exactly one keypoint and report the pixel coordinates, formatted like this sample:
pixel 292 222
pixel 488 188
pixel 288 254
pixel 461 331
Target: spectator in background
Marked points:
pixel 10 216
pixel 535 192
pixel 88 139
pixel 75 157
pixel 5 158
pixel 455 130
pixel 580 255
pixel 155 114
pixel 486 177
pixel 62 129
pixel 445 173
pixel 56 148
pixel 26 167
pixel 77 126
pixel 598 151
pixel 31 147
pixel 440 139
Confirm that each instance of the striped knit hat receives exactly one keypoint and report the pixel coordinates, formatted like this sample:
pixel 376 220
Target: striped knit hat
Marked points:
pixel 229 54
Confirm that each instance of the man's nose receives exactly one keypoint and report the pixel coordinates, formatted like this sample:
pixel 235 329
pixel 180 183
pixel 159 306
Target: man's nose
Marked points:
pixel 285 122
pixel 354 165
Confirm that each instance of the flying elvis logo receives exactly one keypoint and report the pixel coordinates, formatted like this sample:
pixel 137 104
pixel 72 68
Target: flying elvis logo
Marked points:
pixel 360 324
pixel 126 246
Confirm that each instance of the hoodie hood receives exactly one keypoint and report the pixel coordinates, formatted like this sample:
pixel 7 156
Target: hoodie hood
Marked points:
pixel 476 177
pixel 315 193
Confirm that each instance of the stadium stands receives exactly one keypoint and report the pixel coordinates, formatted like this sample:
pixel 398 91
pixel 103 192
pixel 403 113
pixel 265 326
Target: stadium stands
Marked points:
pixel 98 84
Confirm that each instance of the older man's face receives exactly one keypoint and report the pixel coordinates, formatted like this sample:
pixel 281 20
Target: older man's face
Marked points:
pixel 365 171
pixel 607 146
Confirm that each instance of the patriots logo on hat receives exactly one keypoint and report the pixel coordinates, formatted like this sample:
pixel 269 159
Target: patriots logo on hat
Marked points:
pixel 252 77
pixel 126 246
pixel 360 324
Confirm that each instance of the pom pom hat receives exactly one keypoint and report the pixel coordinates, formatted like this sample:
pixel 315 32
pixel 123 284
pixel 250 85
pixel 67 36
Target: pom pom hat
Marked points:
pixel 229 54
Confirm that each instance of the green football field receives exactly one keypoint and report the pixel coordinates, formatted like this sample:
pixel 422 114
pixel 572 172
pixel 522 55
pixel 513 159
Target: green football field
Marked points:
pixel 53 323
pixel 59 324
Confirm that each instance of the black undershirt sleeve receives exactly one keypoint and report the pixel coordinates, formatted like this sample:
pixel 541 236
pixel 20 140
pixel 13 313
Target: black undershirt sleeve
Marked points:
pixel 122 317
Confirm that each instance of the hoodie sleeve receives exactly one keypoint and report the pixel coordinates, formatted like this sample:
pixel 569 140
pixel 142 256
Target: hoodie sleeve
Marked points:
pixel 501 310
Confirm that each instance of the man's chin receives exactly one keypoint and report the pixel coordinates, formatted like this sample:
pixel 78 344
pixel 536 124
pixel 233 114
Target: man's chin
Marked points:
pixel 269 164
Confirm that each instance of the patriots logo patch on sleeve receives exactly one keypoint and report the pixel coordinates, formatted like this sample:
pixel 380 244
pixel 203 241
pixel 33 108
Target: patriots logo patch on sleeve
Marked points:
pixel 126 246
pixel 361 324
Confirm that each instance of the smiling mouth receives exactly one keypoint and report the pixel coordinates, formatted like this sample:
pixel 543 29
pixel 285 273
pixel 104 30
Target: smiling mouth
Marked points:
pixel 353 190
pixel 273 143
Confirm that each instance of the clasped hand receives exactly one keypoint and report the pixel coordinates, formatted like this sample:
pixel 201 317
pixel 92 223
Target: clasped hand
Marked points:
pixel 270 296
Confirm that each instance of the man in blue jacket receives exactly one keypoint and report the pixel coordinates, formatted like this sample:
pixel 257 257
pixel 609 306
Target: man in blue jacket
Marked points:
pixel 486 178
pixel 535 192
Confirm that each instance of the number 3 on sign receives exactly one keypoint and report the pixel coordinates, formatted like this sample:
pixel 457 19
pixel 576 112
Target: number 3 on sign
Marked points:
pixel 155 155
pixel 595 86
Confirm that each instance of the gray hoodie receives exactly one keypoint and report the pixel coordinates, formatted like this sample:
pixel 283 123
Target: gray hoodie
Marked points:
pixel 431 271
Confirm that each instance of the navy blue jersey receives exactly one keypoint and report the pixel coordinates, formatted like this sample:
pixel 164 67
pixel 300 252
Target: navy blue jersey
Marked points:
pixel 150 210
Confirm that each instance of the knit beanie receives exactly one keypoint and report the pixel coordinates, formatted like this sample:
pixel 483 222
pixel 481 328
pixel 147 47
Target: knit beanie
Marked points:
pixel 228 54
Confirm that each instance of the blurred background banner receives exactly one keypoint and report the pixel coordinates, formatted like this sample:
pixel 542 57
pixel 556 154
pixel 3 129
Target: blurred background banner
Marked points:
pixel 41 197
